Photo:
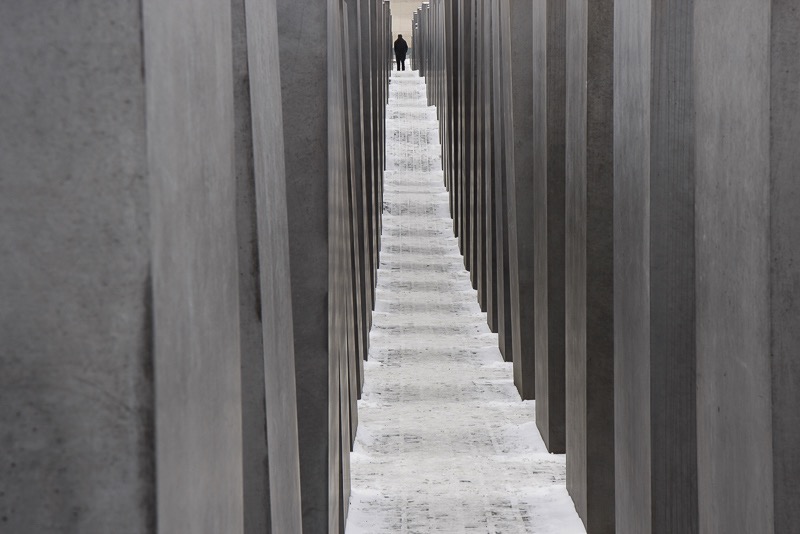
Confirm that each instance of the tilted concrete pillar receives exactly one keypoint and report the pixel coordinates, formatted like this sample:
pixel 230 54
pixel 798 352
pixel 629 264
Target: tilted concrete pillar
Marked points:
pixel 549 112
pixel 269 412
pixel 589 264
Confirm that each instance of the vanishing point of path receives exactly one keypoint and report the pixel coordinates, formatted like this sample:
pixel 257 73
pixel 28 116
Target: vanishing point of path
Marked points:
pixel 444 444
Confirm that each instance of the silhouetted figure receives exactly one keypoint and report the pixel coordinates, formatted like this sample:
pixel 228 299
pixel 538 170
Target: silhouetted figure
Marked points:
pixel 400 50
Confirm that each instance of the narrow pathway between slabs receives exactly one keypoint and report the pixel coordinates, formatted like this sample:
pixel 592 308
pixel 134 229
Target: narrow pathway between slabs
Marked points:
pixel 444 444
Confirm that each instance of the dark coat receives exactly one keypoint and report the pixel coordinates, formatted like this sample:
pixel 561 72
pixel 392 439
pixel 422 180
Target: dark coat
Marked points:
pixel 400 48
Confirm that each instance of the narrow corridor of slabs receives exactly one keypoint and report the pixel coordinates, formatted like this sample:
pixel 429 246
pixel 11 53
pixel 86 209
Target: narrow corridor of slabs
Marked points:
pixel 444 444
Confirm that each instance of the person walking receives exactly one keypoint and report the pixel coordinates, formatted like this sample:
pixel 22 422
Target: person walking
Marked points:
pixel 400 50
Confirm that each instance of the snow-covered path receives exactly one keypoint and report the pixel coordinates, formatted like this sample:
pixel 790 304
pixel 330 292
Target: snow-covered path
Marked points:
pixel 444 444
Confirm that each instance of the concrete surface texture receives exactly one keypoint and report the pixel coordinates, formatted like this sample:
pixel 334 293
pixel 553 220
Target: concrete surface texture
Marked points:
pixel 656 458
pixel 76 367
pixel 442 432
pixel 548 160
pixel 589 256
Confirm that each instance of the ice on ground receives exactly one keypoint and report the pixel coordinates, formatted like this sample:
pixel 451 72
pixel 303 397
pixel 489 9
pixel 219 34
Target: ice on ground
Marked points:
pixel 444 444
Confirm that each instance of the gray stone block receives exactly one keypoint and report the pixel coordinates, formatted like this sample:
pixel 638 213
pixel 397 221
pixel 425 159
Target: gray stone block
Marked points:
pixel 517 33
pixel 479 188
pixel 255 461
pixel 450 90
pixel 735 482
pixel 366 76
pixel 276 297
pixel 358 224
pixel 76 370
pixel 655 364
pixel 190 125
pixel 465 147
pixel 501 137
pixel 453 76
pixel 589 256
pixel 303 45
pixel 549 108
pixel 490 223
pixel 472 106
pixel 746 76
pixel 784 237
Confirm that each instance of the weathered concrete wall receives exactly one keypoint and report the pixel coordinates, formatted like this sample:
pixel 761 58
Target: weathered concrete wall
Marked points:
pixel 589 261
pixel 76 366
pixel 517 32
pixel 548 160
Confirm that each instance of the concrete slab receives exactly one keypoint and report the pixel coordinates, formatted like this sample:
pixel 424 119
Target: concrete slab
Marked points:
pixel 589 257
pixel 655 364
pixel 745 323
pixel 303 50
pixel 490 223
pixel 193 193
pixel 257 94
pixel 501 135
pixel 517 36
pixel 76 386
pixel 785 233
pixel 549 109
